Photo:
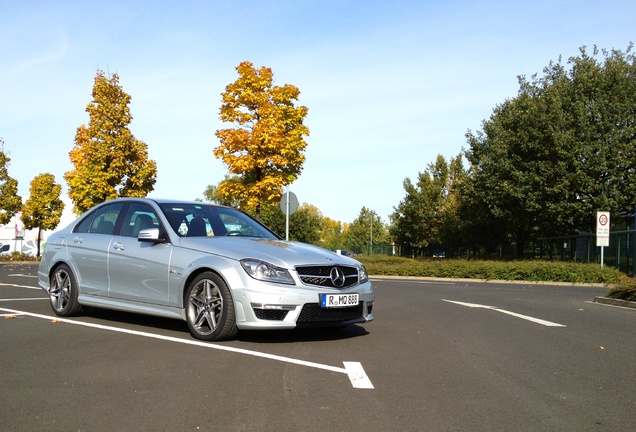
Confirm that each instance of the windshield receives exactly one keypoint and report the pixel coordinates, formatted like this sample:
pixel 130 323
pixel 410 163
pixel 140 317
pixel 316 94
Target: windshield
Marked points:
pixel 204 220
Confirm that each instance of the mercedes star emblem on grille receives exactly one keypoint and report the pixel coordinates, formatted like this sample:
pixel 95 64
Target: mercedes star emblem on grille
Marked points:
pixel 337 277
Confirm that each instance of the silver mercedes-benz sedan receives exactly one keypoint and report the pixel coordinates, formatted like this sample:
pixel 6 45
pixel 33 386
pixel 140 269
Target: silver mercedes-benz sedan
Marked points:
pixel 214 267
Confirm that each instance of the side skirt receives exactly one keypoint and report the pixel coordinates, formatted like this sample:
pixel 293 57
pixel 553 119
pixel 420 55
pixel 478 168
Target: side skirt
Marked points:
pixel 134 307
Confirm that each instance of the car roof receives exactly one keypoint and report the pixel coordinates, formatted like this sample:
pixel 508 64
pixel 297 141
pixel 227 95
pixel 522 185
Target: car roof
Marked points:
pixel 161 201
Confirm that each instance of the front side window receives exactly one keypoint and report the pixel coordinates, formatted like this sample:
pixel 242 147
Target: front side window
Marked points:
pixel 138 217
pixel 105 218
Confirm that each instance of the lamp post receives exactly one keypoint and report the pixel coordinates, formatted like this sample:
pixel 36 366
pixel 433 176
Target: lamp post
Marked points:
pixel 371 233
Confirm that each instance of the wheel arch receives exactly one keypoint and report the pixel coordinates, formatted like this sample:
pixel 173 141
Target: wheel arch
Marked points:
pixel 225 324
pixel 57 265
pixel 194 274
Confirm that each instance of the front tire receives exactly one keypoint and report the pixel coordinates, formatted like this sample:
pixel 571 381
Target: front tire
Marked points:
pixel 63 292
pixel 210 309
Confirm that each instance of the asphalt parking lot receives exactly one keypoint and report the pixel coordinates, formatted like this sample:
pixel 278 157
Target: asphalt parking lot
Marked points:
pixel 440 356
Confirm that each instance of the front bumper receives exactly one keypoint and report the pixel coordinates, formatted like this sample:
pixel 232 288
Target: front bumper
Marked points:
pixel 299 306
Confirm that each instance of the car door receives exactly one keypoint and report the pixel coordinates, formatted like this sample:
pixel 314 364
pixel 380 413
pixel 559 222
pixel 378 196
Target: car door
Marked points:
pixel 89 246
pixel 139 270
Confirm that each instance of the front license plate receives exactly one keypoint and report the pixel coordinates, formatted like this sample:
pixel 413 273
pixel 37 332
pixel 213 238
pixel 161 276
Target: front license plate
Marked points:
pixel 339 300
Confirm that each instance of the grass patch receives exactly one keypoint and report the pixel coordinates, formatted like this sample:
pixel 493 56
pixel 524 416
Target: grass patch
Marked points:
pixel 625 289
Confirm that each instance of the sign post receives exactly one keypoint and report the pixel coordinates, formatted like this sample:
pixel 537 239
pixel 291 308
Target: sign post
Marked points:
pixel 602 231
pixel 288 205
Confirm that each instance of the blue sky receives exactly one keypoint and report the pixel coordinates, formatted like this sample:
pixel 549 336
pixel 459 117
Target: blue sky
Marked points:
pixel 389 84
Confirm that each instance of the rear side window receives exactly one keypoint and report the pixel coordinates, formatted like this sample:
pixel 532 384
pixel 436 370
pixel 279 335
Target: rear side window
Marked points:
pixel 101 221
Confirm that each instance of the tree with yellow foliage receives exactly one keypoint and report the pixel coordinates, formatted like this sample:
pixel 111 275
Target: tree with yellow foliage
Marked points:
pixel 43 209
pixel 265 149
pixel 109 161
pixel 10 201
pixel 332 234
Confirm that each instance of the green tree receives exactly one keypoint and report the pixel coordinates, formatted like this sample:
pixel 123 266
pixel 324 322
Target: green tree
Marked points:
pixel 453 228
pixel 273 218
pixel 109 162
pixel 525 164
pixel 211 194
pixel 10 201
pixel 428 216
pixel 266 148
pixel 366 230
pixel 602 114
pixel 43 209
pixel 564 148
pixel 305 224
pixel 409 222
pixel 482 233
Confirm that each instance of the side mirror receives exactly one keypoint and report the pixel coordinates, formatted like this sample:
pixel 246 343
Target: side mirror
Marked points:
pixel 150 235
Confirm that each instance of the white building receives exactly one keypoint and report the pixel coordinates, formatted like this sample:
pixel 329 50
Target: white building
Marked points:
pixel 14 238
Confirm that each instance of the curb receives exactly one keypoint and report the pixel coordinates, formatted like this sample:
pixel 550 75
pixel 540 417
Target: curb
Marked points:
pixel 615 302
pixel 496 281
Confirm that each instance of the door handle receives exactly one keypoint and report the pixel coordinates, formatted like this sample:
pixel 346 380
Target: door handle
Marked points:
pixel 78 240
pixel 119 246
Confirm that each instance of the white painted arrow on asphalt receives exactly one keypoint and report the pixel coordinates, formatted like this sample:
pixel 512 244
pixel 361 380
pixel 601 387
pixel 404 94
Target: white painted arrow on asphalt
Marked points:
pixel 495 308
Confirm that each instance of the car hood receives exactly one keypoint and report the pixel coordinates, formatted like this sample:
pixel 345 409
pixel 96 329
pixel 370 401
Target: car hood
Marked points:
pixel 281 253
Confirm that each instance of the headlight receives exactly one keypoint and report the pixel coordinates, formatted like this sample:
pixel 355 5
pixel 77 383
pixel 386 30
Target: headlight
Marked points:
pixel 264 271
pixel 362 275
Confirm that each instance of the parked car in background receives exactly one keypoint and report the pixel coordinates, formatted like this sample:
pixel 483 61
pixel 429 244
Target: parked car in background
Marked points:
pixel 212 266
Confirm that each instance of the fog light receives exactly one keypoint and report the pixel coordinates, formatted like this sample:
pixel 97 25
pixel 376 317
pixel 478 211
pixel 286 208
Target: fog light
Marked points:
pixel 273 307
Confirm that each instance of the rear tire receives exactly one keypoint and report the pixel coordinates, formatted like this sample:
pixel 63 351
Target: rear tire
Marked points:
pixel 210 309
pixel 64 291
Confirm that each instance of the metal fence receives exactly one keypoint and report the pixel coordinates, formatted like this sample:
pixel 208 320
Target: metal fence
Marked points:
pixel 377 249
pixel 621 252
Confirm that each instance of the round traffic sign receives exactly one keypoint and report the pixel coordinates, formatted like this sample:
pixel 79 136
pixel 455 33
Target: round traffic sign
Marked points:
pixel 293 203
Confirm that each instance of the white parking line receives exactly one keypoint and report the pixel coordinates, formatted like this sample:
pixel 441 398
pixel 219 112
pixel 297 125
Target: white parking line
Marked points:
pixel 358 377
pixel 353 370
pixel 495 308
pixel 23 299
pixel 20 286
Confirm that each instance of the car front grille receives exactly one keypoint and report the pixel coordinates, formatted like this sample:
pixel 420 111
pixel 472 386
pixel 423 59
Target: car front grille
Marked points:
pixel 312 314
pixel 322 276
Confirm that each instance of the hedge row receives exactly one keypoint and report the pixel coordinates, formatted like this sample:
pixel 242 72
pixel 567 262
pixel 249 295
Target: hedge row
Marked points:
pixel 622 286
pixel 549 271
pixel 17 256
